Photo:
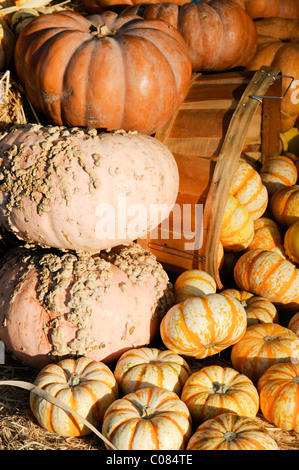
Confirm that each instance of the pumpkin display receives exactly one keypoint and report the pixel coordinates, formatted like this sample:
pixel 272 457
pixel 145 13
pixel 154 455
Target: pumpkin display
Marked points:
pixel 151 367
pixel 59 304
pixel 70 68
pixel 258 309
pixel 77 189
pixel 294 323
pixel 272 8
pixel 97 6
pixel 269 275
pixel 87 386
pixel 263 345
pixel 148 419
pixel 247 187
pixel 237 229
pixel 268 235
pixel 291 242
pixel 214 390
pixel 279 395
pixel 284 205
pixel 193 282
pixel 219 34
pixel 7 45
pixel 229 431
pixel 278 47
pixel 278 171
pixel 204 325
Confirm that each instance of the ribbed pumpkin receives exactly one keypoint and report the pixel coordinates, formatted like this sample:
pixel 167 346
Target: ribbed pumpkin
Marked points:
pixel 193 282
pixel 86 386
pixel 214 390
pixel 258 309
pixel 277 172
pixel 278 46
pixel 7 45
pixel 262 346
pixel 219 34
pixel 291 242
pixel 268 235
pixel 272 8
pixel 284 205
pixel 148 419
pixel 237 229
pixel 204 325
pixel 268 275
pixel 97 6
pixel 279 395
pixel 294 323
pixel 248 189
pixel 230 431
pixel 151 367
pixel 129 74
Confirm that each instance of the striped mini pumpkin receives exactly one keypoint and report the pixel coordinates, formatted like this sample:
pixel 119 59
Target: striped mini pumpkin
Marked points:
pixel 279 395
pixel 193 282
pixel 214 390
pixel 294 323
pixel 291 242
pixel 148 419
pixel 230 431
pixel 262 346
pixel 278 171
pixel 203 326
pixel 86 386
pixel 151 367
pixel 268 235
pixel 284 205
pixel 237 229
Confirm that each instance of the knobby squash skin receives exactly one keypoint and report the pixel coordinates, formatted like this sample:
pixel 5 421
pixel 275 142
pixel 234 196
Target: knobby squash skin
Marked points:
pixel 130 76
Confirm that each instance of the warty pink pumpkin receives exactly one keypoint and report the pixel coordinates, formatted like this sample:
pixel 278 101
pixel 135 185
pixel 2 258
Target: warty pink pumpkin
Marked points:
pixel 54 305
pixel 76 189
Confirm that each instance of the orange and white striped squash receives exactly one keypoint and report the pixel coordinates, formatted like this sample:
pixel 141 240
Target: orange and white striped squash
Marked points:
pixel 203 326
pixel 214 390
pixel 294 323
pixel 151 367
pixel 268 235
pixel 262 346
pixel 86 386
pixel 237 229
pixel 148 419
pixel 248 188
pixel 291 242
pixel 230 431
pixel 277 172
pixel 193 282
pixel 279 395
pixel 284 205
pixel 268 275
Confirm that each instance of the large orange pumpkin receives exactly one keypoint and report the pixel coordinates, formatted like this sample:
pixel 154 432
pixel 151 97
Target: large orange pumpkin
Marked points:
pixel 97 6
pixel 272 8
pixel 219 34
pixel 130 76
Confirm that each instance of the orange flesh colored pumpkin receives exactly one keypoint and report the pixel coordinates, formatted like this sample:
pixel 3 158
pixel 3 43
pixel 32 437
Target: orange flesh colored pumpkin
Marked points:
pixel 96 6
pixel 87 386
pixel 279 395
pixel 291 242
pixel 268 235
pixel 214 390
pixel 277 172
pixel 204 325
pixel 263 345
pixel 272 8
pixel 148 419
pixel 193 282
pixel 237 229
pixel 230 431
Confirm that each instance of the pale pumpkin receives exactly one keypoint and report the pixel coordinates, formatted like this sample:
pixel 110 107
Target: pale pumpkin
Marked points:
pixel 86 386
pixel 193 282
pixel 53 305
pixel 294 323
pixel 84 190
pixel 248 188
pixel 230 431
pixel 204 325
pixel 129 74
pixel 279 395
pixel 151 367
pixel 277 172
pixel 268 235
pixel 148 419
pixel 237 228
pixel 284 205
pixel 291 242
pixel 262 346
pixel 268 275
pixel 214 390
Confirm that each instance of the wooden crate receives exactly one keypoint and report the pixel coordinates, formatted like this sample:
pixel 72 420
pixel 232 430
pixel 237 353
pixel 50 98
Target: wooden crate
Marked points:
pixel 222 118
